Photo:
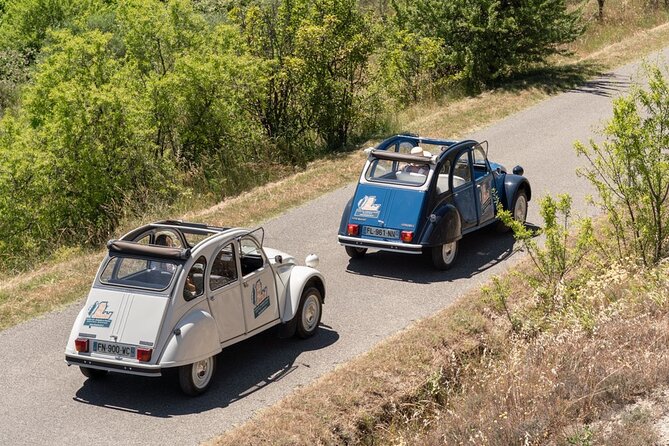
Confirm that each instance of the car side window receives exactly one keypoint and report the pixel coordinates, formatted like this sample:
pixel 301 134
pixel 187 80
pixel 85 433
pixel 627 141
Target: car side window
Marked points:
pixel 442 179
pixel 223 268
pixel 480 164
pixel 462 174
pixel 251 256
pixel 194 285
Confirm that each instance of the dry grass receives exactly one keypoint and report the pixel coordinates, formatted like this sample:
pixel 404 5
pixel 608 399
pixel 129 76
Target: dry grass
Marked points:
pixel 352 399
pixel 460 377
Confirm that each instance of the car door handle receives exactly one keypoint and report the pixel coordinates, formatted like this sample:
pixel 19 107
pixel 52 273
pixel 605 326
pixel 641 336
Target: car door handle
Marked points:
pixel 246 284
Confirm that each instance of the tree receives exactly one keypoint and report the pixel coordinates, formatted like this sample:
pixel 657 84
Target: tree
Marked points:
pixel 335 46
pixel 484 40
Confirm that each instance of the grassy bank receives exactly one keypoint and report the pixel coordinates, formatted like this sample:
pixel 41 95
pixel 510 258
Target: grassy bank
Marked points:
pixel 463 376
pixel 49 286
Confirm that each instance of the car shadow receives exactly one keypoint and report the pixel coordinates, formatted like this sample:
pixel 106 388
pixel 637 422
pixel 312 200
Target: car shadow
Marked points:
pixel 242 369
pixel 477 252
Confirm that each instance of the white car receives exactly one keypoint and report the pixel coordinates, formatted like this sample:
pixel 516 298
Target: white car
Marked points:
pixel 173 294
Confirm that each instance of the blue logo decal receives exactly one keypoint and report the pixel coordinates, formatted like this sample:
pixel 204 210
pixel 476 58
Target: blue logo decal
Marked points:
pixel 98 316
pixel 368 208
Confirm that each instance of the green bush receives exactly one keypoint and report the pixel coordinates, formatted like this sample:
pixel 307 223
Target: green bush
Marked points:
pixel 483 40
pixel 558 255
pixel 630 170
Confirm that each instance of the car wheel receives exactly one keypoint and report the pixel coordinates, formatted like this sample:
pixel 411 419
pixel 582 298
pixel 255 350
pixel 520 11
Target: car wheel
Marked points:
pixel 518 210
pixel 309 312
pixel 195 378
pixel 443 256
pixel 355 253
pixel 92 373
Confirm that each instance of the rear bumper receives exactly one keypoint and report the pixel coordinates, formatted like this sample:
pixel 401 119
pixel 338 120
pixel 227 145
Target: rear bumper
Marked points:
pixel 114 366
pixel 358 242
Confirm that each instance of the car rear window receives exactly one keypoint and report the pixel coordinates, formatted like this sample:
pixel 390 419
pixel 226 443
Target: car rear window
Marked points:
pixel 398 172
pixel 136 272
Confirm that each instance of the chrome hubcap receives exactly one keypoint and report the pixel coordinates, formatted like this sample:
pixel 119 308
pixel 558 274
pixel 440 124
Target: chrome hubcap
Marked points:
pixel 520 210
pixel 202 372
pixel 311 312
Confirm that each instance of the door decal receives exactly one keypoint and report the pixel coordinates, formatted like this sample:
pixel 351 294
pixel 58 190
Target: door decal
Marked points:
pixel 368 208
pixel 259 298
pixel 98 315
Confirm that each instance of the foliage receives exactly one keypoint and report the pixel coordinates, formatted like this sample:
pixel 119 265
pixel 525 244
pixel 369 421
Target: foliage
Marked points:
pixel 410 65
pixel 559 255
pixel 13 74
pixel 315 59
pixel 26 24
pixel 630 170
pixel 483 40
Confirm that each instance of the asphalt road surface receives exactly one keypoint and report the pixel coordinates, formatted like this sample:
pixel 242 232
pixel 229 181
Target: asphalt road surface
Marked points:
pixel 44 402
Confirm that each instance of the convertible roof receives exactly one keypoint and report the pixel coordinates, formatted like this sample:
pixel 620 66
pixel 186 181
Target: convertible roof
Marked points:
pixel 183 226
pixel 163 252
pixel 394 156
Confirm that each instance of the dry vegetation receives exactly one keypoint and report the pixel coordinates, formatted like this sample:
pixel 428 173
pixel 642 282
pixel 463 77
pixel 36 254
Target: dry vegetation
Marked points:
pixel 464 377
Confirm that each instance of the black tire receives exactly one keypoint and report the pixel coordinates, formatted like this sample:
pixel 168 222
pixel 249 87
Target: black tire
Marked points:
pixel 309 313
pixel 443 256
pixel 355 253
pixel 518 210
pixel 196 378
pixel 92 373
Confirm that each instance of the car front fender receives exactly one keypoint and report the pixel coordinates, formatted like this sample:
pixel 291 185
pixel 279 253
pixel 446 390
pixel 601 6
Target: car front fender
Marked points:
pixel 444 227
pixel 194 338
pixel 301 277
pixel 512 184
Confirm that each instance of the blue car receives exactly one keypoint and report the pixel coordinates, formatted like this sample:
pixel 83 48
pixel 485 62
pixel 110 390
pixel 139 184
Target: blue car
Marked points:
pixel 421 195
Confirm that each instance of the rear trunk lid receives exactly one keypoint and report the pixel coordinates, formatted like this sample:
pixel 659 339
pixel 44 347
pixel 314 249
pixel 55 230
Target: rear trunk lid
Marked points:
pixel 124 317
pixel 394 209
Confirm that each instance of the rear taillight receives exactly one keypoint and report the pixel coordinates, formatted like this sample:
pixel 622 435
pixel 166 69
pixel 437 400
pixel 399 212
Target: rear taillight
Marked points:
pixel 353 229
pixel 406 236
pixel 81 345
pixel 144 354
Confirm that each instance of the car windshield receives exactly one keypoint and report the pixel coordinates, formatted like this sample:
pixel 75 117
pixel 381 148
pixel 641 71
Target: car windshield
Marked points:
pixel 398 172
pixel 139 273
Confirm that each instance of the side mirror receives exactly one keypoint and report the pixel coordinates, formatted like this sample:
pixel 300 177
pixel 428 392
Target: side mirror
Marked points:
pixel 518 170
pixel 278 259
pixel 311 260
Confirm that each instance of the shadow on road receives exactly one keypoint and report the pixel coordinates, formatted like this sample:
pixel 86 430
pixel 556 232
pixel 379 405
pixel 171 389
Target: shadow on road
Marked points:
pixel 477 252
pixel 606 85
pixel 242 370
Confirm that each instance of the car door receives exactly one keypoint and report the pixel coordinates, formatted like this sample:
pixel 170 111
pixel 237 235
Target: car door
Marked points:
pixel 225 295
pixel 259 295
pixel 463 190
pixel 484 186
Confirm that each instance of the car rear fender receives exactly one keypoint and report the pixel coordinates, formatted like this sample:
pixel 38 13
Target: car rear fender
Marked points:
pixel 512 184
pixel 194 338
pixel 444 227
pixel 301 277
pixel 345 217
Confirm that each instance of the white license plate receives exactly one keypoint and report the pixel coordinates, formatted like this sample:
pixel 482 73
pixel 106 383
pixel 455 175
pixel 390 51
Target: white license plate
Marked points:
pixel 109 348
pixel 382 232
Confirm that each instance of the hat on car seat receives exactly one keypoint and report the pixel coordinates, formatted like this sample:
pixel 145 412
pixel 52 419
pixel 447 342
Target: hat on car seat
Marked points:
pixel 418 150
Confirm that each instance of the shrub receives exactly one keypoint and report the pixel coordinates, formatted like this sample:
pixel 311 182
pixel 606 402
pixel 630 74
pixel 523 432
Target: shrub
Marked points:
pixel 630 170
pixel 486 39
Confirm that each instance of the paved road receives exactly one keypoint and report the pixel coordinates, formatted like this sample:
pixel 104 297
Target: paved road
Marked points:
pixel 42 401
